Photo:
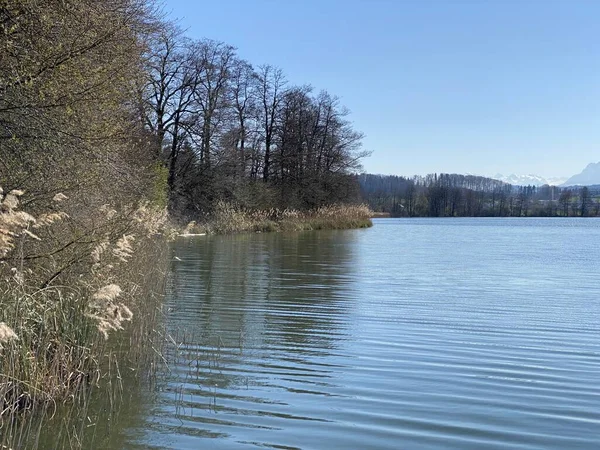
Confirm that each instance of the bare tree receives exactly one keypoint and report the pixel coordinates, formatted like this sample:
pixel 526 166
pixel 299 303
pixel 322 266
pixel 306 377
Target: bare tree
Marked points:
pixel 243 99
pixel 213 62
pixel 584 200
pixel 168 93
pixel 271 88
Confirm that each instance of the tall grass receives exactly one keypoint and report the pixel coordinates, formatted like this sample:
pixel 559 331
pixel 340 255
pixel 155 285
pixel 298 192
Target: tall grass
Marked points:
pixel 228 219
pixel 61 304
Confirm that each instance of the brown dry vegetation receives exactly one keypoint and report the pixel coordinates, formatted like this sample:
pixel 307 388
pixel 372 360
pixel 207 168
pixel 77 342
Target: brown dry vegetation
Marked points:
pixel 229 219
pixel 52 335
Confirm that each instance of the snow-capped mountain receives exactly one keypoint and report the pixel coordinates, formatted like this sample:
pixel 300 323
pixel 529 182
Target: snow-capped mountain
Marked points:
pixel 529 180
pixel 589 176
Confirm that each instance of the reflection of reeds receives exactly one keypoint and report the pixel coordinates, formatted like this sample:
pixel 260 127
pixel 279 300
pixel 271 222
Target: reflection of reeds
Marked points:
pixel 60 297
pixel 196 365
pixel 228 219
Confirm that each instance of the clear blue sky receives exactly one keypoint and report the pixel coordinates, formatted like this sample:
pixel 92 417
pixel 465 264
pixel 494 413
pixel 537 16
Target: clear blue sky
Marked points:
pixel 477 86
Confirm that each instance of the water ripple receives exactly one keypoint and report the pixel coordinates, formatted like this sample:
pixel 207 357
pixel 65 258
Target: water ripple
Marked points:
pixel 426 334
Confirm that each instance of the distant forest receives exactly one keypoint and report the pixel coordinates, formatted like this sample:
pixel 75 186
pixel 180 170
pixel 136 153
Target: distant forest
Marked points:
pixel 452 195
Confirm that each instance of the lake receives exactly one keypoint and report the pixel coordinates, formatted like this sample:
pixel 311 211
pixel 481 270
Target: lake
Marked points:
pixel 416 333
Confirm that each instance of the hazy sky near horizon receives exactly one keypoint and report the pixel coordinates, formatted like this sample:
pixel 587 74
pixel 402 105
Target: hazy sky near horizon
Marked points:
pixel 464 86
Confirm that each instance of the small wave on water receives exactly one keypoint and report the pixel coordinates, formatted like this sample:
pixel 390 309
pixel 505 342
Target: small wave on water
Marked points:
pixel 413 334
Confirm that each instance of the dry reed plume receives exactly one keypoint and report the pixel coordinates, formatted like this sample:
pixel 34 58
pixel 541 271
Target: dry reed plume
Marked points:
pixel 61 297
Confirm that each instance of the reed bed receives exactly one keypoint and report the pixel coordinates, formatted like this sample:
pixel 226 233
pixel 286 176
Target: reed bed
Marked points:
pixel 229 219
pixel 65 299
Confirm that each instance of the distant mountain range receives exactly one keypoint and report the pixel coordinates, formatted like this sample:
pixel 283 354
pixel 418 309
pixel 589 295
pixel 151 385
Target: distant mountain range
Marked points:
pixel 529 180
pixel 588 177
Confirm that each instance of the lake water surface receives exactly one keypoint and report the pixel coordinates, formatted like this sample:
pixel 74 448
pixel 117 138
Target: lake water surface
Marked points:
pixel 421 333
